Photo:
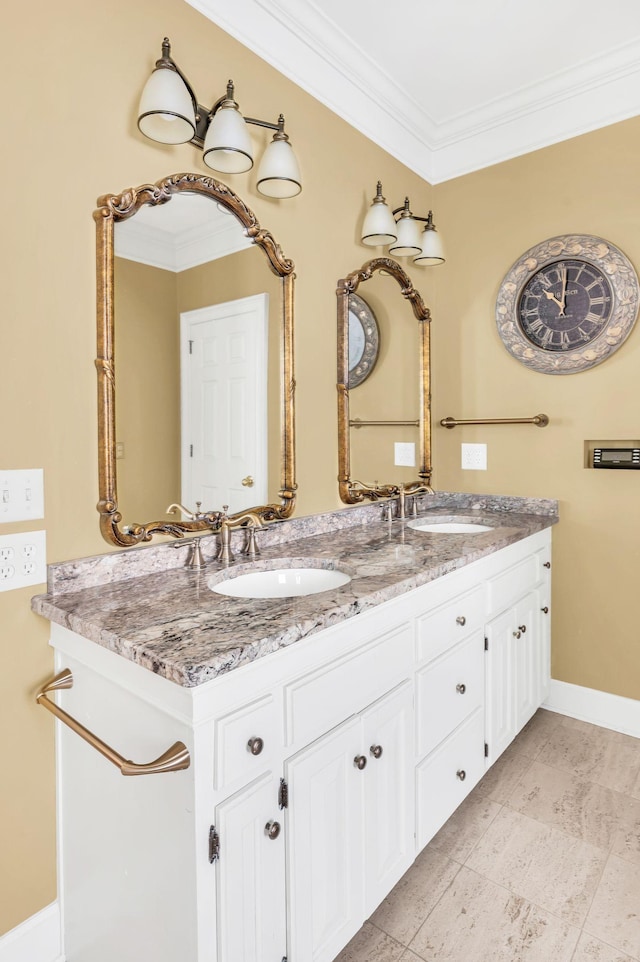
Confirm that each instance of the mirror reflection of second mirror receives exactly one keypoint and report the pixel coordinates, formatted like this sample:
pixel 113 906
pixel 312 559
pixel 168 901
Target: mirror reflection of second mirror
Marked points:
pixel 197 359
pixel 390 391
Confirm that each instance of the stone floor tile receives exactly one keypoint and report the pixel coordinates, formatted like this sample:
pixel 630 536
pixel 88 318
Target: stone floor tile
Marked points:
pixel 503 776
pixel 479 921
pixel 410 956
pixel 626 840
pixel 590 949
pixel 408 904
pixel 601 756
pixel 371 945
pixel 538 862
pixel 577 807
pixel 533 736
pixel 614 916
pixel 468 823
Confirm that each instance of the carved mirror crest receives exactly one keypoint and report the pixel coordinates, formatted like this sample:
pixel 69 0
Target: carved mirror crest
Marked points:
pixel 203 414
pixel 383 397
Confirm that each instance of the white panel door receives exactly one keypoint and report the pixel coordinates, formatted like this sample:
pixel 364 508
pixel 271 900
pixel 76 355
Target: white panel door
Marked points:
pixel 387 743
pixel 501 711
pixel 224 404
pixel 251 910
pixel 325 850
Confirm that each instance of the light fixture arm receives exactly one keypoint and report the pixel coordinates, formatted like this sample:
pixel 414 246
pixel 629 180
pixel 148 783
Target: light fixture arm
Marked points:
pixel 428 220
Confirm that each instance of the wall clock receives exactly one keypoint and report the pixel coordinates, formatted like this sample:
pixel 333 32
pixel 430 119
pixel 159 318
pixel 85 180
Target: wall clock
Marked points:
pixel 364 340
pixel 567 304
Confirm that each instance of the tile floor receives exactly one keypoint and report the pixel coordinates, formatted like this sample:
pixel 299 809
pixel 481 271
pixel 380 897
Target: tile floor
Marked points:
pixel 541 863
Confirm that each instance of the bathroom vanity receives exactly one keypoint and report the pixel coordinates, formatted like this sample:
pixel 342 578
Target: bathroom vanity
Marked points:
pixel 330 736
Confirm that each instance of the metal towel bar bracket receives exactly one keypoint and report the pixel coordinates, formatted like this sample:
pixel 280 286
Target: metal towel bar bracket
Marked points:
pixel 175 759
pixel 540 420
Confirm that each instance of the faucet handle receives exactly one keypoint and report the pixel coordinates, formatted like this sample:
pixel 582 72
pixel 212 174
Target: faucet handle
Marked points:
pixel 251 549
pixel 195 558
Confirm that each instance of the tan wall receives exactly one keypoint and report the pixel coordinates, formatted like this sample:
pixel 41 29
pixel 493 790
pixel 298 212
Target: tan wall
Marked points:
pixel 587 185
pixel 66 141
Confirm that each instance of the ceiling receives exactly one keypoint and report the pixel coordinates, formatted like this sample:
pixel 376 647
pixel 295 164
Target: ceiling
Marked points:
pixel 451 86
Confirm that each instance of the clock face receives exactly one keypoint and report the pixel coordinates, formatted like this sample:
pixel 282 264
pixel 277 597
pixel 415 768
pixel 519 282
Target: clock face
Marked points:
pixel 565 305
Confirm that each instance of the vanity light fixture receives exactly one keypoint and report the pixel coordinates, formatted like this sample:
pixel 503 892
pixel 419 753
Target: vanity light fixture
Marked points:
pixel 170 114
pixel 402 236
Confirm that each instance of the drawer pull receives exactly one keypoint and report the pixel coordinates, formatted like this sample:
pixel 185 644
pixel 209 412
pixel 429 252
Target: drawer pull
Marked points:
pixel 522 628
pixel 545 610
pixel 360 762
pixel 461 620
pixel 547 564
pixel 461 774
pixel 376 750
pixel 461 688
pixel 517 634
pixel 272 830
pixel 255 746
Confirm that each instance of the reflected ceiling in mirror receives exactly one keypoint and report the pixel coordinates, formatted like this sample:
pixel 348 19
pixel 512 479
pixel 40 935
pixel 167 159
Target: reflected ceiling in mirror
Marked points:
pixel 391 405
pixel 191 321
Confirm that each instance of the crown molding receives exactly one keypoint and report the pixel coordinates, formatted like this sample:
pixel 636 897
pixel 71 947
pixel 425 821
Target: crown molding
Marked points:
pixel 312 51
pixel 139 242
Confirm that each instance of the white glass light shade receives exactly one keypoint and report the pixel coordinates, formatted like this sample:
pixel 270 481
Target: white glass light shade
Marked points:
pixel 166 109
pixel 409 241
pixel 379 226
pixel 432 249
pixel 278 173
pixel 227 146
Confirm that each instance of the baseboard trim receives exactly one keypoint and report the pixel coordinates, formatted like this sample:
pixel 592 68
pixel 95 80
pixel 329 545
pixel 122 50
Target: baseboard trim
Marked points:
pixel 598 707
pixel 38 939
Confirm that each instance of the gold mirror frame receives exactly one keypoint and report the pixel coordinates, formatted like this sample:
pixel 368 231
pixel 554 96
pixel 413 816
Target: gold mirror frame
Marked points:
pixel 352 491
pixel 111 209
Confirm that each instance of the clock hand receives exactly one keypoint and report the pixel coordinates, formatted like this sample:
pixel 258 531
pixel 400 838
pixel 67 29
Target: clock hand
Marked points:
pixel 564 291
pixel 555 300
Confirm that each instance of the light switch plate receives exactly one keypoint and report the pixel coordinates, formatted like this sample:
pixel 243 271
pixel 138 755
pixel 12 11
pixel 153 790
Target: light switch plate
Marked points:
pixel 23 559
pixel 21 495
pixel 474 457
pixel 405 454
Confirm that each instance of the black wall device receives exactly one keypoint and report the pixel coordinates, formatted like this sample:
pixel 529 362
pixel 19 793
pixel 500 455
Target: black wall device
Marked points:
pixel 616 457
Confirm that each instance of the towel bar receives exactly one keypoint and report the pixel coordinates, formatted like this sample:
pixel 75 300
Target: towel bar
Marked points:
pixel 540 420
pixel 175 759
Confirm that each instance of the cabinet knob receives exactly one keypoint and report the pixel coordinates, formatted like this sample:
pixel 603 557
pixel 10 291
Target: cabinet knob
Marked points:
pixel 376 751
pixel 547 564
pixel 461 620
pixel 255 746
pixel 272 830
pixel 360 762
pixel 522 628
pixel 461 774
pixel 461 688
pixel 545 610
pixel 517 634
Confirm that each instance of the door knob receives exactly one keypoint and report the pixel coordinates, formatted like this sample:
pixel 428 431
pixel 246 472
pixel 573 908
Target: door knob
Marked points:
pixel 247 482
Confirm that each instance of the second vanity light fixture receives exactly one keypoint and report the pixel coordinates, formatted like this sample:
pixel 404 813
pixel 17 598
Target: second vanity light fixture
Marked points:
pixel 380 228
pixel 170 114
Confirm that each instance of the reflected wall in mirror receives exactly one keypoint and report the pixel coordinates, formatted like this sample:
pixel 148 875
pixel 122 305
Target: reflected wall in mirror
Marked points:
pixel 195 326
pixel 392 405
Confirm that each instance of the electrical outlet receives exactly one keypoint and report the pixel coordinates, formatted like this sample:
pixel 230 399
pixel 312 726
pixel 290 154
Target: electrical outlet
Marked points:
pixel 474 457
pixel 404 454
pixel 21 495
pixel 22 560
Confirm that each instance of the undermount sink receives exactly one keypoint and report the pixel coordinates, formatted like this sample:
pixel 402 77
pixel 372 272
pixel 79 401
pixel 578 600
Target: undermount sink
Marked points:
pixel 449 527
pixel 282 582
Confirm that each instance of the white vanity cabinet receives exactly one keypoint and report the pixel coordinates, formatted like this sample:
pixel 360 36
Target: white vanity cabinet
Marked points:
pixel 317 772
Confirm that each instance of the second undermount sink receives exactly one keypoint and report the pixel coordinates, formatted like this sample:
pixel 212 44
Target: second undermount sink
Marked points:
pixel 449 527
pixel 283 582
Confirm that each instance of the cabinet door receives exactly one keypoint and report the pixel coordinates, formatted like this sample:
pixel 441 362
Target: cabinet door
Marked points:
pixel 325 844
pixel 501 714
pixel 544 596
pixel 527 658
pixel 389 811
pixel 251 876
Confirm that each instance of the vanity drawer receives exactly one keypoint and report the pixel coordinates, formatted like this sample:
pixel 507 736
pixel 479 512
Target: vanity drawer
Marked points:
pixel 507 587
pixel 450 623
pixel 449 690
pixel 247 741
pixel 445 778
pixel 319 701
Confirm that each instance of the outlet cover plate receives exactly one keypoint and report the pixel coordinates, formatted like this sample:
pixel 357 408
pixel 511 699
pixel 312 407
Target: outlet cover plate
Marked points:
pixel 23 560
pixel 405 454
pixel 474 457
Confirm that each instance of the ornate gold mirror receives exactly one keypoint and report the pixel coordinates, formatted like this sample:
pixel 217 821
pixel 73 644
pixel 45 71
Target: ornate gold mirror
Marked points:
pixel 195 326
pixel 386 416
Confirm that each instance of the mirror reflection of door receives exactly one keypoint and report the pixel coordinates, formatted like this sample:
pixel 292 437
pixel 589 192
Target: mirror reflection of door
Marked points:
pixel 223 353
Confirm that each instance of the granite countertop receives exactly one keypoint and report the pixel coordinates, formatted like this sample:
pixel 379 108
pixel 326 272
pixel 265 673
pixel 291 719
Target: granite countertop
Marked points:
pixel 172 623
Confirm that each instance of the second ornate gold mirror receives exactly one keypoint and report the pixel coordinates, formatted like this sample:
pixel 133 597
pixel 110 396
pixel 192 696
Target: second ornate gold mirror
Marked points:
pixel 195 330
pixel 384 417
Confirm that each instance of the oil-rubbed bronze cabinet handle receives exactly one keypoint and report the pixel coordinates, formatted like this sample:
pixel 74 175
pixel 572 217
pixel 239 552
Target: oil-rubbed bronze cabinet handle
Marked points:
pixel 523 628
pixel 255 746
pixel 546 564
pixel 461 774
pixel 461 620
pixel 461 688
pixel 376 751
pixel 360 762
pixel 272 830
pixel 545 610
pixel 175 759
